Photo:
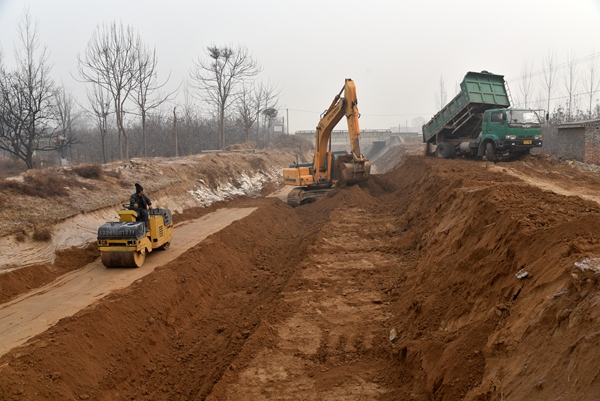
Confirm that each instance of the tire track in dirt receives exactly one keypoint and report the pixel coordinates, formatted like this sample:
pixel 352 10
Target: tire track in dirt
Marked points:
pixel 335 320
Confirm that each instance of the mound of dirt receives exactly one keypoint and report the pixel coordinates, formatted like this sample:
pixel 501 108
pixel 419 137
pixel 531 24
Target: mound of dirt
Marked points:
pixel 440 280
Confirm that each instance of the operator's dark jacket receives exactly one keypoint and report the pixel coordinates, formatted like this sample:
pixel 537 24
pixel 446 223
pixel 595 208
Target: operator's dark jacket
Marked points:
pixel 141 200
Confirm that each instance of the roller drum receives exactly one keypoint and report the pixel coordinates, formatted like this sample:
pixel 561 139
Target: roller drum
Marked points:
pixel 123 259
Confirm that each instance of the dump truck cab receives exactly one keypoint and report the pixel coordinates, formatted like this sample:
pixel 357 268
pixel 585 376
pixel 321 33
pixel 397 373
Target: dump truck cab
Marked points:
pixel 508 131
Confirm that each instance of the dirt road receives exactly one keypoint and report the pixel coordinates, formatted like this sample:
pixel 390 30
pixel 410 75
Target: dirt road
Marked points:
pixel 442 280
pixel 34 312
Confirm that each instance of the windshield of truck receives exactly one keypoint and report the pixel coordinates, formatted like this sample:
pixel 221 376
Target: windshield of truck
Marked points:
pixel 523 117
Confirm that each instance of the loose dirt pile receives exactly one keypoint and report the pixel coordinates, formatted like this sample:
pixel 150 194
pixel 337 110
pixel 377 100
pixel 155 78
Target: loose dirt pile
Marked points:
pixel 441 280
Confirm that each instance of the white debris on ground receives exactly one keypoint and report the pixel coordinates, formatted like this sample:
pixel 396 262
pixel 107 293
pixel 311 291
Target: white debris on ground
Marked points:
pixel 244 185
pixel 81 229
pixel 592 264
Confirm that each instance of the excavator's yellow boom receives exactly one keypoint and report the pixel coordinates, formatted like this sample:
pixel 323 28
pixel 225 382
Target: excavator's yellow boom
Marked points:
pixel 329 168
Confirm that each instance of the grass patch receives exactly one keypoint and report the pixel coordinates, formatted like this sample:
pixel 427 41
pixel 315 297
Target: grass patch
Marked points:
pixel 40 184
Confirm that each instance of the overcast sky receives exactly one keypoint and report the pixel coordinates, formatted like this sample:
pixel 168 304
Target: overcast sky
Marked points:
pixel 395 50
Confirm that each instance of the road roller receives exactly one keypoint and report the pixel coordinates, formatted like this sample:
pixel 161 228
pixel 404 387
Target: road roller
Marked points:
pixel 125 243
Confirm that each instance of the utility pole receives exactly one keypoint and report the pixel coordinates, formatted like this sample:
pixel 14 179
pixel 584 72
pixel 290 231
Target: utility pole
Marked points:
pixel 287 116
pixel 175 131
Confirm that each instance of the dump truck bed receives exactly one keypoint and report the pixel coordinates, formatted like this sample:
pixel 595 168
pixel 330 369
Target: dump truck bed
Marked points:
pixel 461 117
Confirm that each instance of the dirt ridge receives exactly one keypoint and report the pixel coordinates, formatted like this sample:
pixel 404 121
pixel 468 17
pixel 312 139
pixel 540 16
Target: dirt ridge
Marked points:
pixel 440 280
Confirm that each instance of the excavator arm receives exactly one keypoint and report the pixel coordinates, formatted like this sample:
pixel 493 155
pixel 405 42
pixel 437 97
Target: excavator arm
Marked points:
pixel 329 168
pixel 341 106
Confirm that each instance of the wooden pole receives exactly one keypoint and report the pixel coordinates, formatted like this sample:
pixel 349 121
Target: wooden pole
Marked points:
pixel 175 132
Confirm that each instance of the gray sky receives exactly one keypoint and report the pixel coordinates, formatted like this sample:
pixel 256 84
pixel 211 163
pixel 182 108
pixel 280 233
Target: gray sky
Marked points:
pixel 395 51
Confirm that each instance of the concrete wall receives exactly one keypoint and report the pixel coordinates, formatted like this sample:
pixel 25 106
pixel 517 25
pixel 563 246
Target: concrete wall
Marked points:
pixel 566 144
pixel 573 141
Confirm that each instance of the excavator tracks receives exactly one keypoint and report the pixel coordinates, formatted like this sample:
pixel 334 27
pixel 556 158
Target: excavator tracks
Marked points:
pixel 303 195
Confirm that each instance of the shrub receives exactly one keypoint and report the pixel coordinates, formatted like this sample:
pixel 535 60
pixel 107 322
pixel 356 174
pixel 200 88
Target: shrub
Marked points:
pixel 46 186
pixel 41 234
pixel 20 237
pixel 91 171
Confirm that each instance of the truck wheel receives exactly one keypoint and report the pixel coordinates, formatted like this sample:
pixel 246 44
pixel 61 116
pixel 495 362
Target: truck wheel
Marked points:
pixel 445 150
pixel 451 151
pixel 490 152
pixel 439 150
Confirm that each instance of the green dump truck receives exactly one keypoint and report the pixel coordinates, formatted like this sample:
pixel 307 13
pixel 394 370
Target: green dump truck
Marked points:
pixel 479 122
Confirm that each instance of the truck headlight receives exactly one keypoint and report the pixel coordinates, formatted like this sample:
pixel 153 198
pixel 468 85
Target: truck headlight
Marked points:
pixel 537 137
pixel 511 137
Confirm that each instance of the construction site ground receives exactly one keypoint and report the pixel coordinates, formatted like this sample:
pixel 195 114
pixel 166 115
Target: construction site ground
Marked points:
pixel 435 280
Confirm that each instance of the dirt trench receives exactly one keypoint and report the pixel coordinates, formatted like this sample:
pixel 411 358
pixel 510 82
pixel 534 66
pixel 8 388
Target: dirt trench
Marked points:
pixel 441 280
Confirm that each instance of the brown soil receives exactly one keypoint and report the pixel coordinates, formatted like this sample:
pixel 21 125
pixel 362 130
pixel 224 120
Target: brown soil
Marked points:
pixel 440 280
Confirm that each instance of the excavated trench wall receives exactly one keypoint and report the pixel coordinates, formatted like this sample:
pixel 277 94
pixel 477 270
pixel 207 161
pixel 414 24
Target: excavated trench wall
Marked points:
pixel 492 294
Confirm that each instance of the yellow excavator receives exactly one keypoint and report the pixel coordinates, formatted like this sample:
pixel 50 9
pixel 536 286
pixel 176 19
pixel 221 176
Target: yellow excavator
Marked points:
pixel 125 243
pixel 314 180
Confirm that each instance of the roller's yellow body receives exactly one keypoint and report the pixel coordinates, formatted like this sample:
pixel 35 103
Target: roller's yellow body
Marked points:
pixel 125 243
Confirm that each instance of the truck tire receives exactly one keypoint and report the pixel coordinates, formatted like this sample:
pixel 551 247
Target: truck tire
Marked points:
pixel 445 150
pixel 490 152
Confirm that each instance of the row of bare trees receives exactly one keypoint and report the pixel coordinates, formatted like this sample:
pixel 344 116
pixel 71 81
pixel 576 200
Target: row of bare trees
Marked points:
pixel 120 67
pixel 127 111
pixel 568 91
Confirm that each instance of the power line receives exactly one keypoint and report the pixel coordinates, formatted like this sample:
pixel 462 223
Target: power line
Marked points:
pixel 557 67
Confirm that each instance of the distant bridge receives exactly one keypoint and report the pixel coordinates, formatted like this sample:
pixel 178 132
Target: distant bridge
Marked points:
pixel 340 139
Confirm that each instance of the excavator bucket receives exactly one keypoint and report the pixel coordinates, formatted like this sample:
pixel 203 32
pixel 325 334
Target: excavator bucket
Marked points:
pixel 350 171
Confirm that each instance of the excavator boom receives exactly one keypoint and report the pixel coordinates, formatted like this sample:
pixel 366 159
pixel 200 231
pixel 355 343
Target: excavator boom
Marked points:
pixel 330 168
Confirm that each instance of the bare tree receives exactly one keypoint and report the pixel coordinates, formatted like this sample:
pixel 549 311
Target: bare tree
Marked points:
pixel 571 84
pixel 440 97
pixel 266 96
pixel 247 111
pixel 99 100
pixel 526 86
pixel 549 76
pixel 27 111
pixel 221 79
pixel 110 62
pixel 64 104
pixel 591 82
pixel 146 86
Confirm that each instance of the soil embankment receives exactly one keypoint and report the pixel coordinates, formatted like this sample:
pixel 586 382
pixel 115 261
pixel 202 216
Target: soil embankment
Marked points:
pixel 440 280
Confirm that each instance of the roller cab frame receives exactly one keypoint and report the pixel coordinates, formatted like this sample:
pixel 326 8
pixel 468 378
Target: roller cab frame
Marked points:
pixel 126 243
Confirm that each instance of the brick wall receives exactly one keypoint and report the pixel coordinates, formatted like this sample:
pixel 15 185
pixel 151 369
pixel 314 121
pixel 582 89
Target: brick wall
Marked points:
pixel 592 144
